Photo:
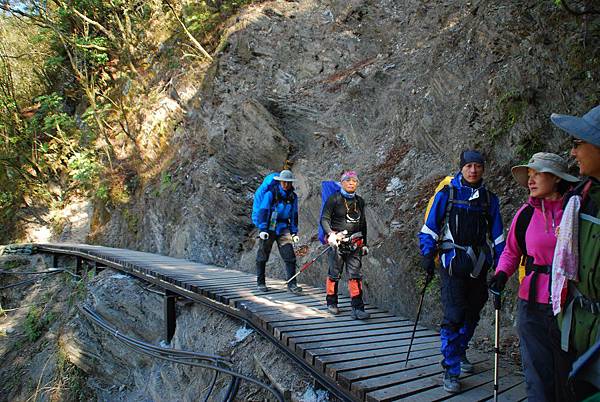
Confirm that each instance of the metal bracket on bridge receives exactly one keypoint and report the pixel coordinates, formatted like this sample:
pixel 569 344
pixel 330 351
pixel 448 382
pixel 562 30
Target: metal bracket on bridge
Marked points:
pixel 170 314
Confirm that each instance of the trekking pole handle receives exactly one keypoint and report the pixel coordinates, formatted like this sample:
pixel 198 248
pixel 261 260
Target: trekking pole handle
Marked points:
pixel 497 301
pixel 308 264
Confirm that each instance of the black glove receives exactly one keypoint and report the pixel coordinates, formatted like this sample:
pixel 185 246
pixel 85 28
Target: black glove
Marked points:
pixel 428 264
pixel 498 282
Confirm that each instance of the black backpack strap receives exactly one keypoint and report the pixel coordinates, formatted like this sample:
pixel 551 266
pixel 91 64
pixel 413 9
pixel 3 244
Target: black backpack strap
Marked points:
pixel 521 228
pixel 449 204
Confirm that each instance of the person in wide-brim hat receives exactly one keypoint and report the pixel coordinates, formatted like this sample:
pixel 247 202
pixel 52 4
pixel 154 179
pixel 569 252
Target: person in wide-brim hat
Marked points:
pixel 532 238
pixel 285 175
pixel 543 162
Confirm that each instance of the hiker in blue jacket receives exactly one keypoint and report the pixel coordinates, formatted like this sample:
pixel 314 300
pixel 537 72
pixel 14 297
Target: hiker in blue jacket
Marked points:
pixel 465 227
pixel 278 222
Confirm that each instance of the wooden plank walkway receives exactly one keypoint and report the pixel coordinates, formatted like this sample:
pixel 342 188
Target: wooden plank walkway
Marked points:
pixel 356 360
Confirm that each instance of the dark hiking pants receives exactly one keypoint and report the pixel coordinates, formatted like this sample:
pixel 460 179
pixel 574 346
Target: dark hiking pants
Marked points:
pixel 545 365
pixel 352 261
pixel 286 250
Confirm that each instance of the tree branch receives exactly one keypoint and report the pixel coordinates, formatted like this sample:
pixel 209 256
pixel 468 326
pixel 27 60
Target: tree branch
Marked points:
pixel 99 48
pixel 194 41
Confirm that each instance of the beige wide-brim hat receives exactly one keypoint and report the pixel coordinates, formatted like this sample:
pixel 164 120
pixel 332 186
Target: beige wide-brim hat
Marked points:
pixel 544 162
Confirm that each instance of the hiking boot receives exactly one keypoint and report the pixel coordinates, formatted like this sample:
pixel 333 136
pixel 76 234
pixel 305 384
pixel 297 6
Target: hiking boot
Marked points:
pixel 333 309
pixel 451 383
pixel 295 289
pixel 465 365
pixel 360 314
pixel 262 287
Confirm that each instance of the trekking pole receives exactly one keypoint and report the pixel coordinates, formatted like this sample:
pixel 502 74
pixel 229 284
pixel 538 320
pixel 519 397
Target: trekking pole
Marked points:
pixel 497 304
pixel 308 264
pixel 412 337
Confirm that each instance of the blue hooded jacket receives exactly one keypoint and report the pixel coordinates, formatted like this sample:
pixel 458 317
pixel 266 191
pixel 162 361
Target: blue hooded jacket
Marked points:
pixel 473 231
pixel 286 207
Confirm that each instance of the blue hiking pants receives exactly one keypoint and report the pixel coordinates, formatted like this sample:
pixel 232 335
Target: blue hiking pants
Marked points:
pixel 463 298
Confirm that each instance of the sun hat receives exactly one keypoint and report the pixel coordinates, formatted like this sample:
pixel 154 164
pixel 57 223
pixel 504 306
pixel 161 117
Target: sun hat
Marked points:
pixel 350 174
pixel 470 156
pixel 585 128
pixel 285 175
pixel 544 162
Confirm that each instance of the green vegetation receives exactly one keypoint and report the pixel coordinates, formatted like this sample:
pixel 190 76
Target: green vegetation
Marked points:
pixel 69 380
pixel 71 77
pixel 12 264
pixel 36 322
pixel 529 144
pixel 511 106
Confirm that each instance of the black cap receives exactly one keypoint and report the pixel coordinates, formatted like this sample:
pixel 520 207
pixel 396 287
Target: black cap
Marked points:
pixel 470 156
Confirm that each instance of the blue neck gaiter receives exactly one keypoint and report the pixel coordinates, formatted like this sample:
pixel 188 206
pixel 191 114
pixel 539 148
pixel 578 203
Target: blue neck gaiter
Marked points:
pixel 346 194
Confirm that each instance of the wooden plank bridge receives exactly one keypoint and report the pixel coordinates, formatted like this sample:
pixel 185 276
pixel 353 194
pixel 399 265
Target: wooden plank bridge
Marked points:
pixel 355 360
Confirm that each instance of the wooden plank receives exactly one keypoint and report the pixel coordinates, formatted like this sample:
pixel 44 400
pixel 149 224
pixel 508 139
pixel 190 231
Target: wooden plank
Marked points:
pixel 362 387
pixel 236 295
pixel 302 312
pixel 389 346
pixel 328 320
pixel 505 382
pixel 513 394
pixel 360 326
pixel 347 378
pixel 233 293
pixel 321 362
pixel 345 310
pixel 257 308
pixel 418 351
pixel 319 312
pixel 340 323
pixel 428 388
pixel 400 332
pixel 307 297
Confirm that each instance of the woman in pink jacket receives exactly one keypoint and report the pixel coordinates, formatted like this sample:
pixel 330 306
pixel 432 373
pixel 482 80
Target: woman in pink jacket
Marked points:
pixel 531 239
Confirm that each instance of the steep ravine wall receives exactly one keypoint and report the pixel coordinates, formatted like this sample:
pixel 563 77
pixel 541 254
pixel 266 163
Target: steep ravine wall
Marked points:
pixel 50 351
pixel 391 89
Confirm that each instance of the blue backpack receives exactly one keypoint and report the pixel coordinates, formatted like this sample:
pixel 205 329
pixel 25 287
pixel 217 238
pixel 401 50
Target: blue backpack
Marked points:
pixel 328 188
pixel 267 185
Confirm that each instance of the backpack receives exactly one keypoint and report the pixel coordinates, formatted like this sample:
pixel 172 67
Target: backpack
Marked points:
pixel 445 181
pixel 520 230
pixel 328 188
pixel 268 184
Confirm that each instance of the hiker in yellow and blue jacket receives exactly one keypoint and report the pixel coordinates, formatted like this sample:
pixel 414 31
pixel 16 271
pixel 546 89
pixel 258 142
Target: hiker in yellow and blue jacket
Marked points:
pixel 464 226
pixel 278 222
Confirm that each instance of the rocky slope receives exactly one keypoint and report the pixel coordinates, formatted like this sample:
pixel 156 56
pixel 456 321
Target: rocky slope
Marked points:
pixel 391 89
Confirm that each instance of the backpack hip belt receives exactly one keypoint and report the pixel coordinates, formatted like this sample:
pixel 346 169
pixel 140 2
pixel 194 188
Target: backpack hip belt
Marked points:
pixel 477 260
pixel 536 269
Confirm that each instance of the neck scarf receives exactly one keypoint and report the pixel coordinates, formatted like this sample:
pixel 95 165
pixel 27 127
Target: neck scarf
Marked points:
pixel 347 194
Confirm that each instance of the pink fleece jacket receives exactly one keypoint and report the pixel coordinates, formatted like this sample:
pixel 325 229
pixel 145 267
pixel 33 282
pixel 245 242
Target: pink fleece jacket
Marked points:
pixel 540 239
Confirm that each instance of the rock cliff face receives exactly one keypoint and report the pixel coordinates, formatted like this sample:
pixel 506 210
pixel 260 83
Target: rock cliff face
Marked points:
pixel 392 89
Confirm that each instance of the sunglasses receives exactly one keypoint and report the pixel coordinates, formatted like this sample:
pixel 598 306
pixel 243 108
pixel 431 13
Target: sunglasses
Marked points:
pixel 576 142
